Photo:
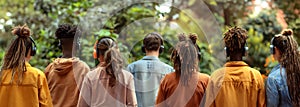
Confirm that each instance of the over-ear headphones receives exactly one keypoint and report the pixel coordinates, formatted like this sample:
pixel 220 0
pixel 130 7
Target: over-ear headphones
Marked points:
pixel 96 45
pixel 272 50
pixel 245 49
pixel 161 49
pixel 77 44
pixel 33 47
pixel 199 52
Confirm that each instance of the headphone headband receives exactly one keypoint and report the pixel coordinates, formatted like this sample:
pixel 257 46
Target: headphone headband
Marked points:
pixel 33 48
pixel 161 42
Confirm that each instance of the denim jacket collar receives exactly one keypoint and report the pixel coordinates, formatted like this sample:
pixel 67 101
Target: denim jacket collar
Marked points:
pixel 275 68
pixel 150 58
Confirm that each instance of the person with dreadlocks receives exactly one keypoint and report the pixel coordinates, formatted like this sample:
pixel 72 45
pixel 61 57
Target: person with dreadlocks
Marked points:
pixel 186 86
pixel 65 74
pixel 108 85
pixel 22 85
pixel 282 86
pixel 236 84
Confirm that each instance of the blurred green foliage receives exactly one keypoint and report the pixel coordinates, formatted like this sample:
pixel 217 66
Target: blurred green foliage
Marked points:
pixel 128 24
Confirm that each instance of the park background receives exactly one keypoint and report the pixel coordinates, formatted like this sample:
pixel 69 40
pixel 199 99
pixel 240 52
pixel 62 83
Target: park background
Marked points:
pixel 128 21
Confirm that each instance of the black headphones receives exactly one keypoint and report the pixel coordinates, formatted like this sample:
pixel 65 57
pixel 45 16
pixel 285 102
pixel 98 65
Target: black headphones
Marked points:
pixel 161 49
pixel 199 52
pixel 33 47
pixel 272 47
pixel 245 49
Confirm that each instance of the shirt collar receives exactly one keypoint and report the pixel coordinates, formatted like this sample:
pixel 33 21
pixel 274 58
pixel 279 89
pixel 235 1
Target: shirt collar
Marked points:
pixel 275 68
pixel 150 58
pixel 235 64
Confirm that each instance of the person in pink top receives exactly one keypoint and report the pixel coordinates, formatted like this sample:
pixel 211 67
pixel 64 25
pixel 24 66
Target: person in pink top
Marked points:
pixel 108 85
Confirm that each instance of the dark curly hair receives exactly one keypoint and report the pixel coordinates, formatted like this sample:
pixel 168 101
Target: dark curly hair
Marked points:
pixel 66 31
pixel 235 39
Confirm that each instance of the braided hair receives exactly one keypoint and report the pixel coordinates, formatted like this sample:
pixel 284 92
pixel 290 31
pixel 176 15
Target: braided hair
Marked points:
pixel 235 40
pixel 184 57
pixel 290 60
pixel 17 52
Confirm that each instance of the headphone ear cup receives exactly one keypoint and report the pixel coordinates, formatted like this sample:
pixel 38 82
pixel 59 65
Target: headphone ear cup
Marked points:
pixel 161 49
pixel 95 53
pixel 227 51
pixel 33 51
pixel 272 50
pixel 245 50
pixel 143 49
pixel 59 45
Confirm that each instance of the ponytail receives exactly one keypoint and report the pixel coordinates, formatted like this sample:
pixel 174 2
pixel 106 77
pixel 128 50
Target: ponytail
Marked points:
pixel 17 52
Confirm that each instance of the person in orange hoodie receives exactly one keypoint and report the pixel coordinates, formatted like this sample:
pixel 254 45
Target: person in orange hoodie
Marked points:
pixel 236 84
pixel 21 84
pixel 186 86
pixel 65 74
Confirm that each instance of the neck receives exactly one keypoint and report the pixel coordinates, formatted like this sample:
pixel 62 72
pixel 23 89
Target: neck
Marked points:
pixel 152 53
pixel 236 57
pixel 67 54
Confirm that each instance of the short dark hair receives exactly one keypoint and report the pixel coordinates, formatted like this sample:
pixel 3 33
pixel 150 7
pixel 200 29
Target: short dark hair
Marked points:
pixel 152 41
pixel 66 31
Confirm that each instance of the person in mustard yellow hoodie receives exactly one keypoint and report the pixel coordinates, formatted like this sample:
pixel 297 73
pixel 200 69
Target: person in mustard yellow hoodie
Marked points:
pixel 65 74
pixel 21 84
pixel 236 84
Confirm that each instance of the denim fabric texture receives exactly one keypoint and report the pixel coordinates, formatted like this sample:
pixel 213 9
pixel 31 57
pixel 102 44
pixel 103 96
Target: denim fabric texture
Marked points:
pixel 277 89
pixel 148 73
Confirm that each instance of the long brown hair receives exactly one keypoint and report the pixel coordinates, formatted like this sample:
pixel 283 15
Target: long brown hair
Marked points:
pixel 15 56
pixel 290 60
pixel 112 58
pixel 184 58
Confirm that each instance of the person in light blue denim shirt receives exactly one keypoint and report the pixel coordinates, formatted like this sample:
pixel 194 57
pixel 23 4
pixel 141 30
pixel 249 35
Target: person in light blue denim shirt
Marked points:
pixel 277 89
pixel 282 86
pixel 149 70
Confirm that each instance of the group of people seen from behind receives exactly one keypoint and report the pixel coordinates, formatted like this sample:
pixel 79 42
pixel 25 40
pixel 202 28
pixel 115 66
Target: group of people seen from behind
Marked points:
pixel 69 82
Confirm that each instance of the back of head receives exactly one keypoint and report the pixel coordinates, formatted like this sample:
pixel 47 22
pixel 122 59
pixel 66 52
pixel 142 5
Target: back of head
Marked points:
pixel 113 63
pixel 152 41
pixel 235 40
pixel 290 60
pixel 184 58
pixel 66 33
pixel 17 52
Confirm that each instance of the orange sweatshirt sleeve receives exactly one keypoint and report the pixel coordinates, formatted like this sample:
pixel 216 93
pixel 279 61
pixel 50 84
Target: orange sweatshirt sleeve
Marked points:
pixel 44 93
pixel 161 97
pixel 47 70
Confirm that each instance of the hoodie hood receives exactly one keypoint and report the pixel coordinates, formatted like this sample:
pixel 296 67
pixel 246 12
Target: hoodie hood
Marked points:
pixel 64 65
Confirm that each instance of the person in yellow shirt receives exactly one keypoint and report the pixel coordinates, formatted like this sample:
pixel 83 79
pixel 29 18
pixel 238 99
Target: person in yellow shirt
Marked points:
pixel 236 84
pixel 21 84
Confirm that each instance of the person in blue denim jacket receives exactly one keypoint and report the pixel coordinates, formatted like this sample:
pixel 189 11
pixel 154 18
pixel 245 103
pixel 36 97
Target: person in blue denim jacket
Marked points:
pixel 282 85
pixel 149 70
